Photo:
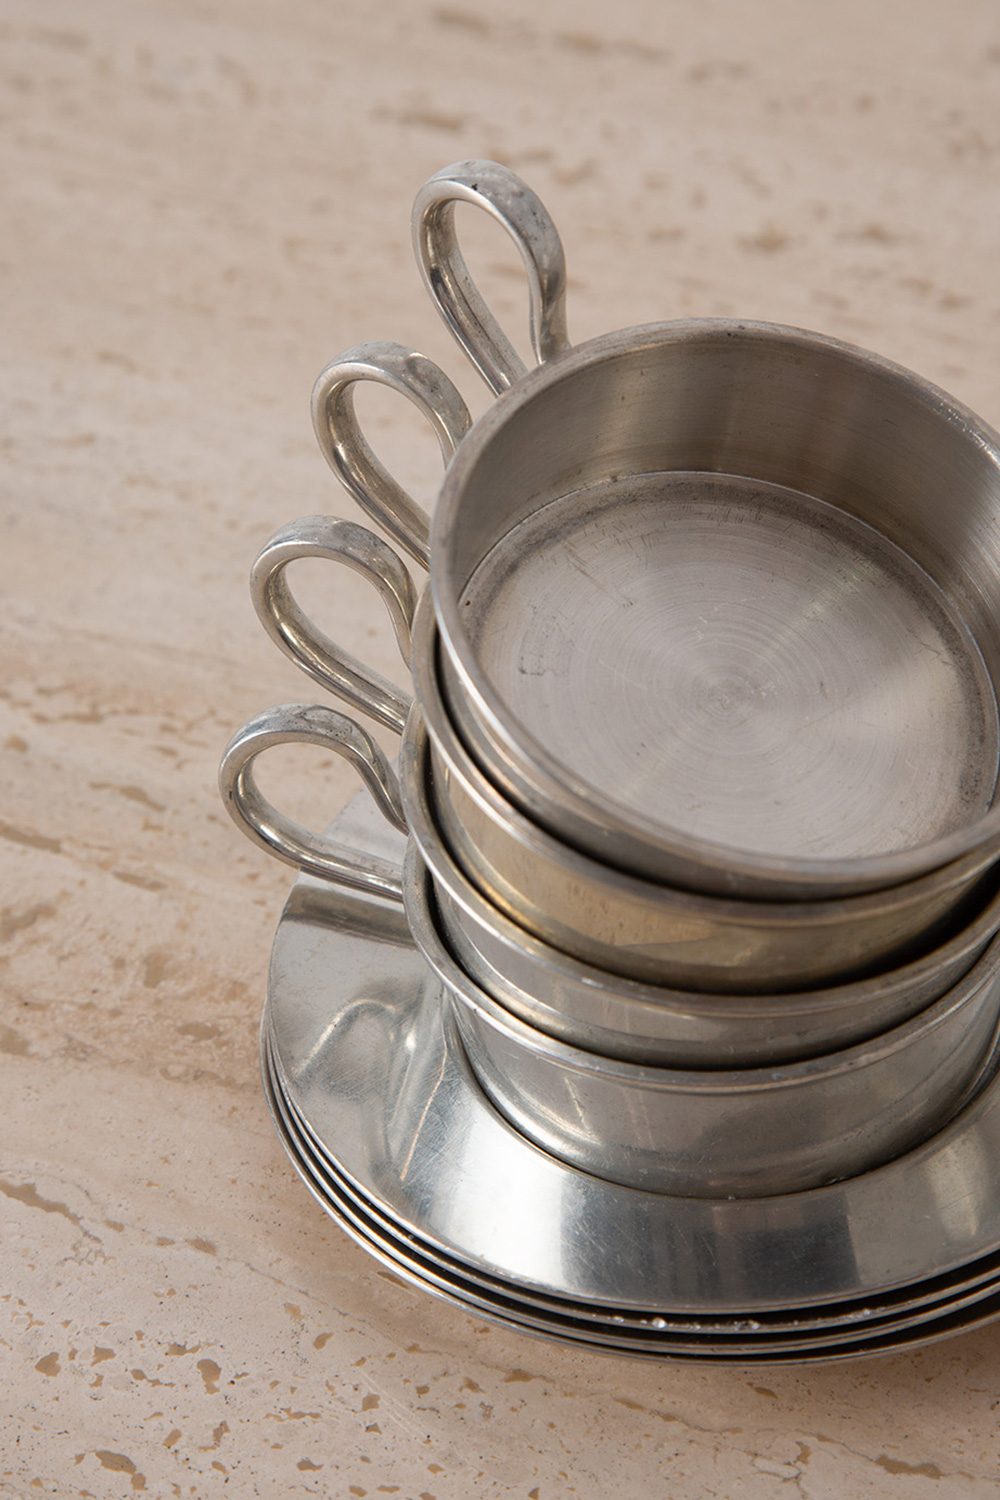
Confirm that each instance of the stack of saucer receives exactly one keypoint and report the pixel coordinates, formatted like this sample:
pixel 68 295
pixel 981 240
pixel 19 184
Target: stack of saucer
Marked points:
pixel 698 779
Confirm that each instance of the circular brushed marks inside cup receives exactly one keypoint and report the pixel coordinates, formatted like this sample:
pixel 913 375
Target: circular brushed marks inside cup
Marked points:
pixel 740 662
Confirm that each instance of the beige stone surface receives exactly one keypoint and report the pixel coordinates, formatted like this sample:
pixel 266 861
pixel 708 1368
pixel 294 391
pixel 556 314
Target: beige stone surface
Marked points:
pixel 203 202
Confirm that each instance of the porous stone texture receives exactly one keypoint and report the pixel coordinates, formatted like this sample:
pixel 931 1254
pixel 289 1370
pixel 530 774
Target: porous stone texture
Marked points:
pixel 204 202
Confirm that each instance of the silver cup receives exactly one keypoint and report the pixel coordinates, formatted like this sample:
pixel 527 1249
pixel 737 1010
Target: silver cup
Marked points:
pixel 712 1133
pixel 640 929
pixel 715 597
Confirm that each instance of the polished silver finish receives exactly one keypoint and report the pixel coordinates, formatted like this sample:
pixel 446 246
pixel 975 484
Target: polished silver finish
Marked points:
pixel 513 204
pixel 290 628
pixel 643 929
pixel 842 1320
pixel 277 834
pixel 750 663
pixel 354 1018
pixel 742 525
pixel 717 605
pixel 932 1310
pixel 748 1132
pixel 589 1008
pixel 636 928
pixel 601 1012
pixel 563 996
pixel 785 699
pixel 345 449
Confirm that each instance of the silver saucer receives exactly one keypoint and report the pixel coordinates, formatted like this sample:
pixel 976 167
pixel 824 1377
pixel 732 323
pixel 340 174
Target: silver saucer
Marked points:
pixel 324 1172
pixel 383 1118
pixel 921 1316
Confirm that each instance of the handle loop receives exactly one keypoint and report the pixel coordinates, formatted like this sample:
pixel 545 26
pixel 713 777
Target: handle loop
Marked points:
pixel 291 629
pixel 521 212
pixel 347 452
pixel 299 723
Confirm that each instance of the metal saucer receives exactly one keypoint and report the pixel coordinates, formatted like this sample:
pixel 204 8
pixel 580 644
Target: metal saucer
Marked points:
pixel 368 1061
pixel 931 1290
pixel 873 1330
pixel 909 1305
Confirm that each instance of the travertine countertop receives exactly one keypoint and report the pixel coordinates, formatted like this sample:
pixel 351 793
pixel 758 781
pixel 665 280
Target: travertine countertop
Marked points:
pixel 204 201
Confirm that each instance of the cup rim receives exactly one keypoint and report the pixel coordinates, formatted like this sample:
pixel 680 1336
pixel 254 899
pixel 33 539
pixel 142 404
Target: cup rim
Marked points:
pixel 563 792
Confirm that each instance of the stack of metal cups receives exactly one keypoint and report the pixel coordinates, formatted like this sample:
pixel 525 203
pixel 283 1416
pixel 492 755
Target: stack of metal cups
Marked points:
pixel 700 765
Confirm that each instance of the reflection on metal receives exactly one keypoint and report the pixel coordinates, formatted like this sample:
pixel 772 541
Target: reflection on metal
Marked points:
pixel 460 1204
pixel 672 1029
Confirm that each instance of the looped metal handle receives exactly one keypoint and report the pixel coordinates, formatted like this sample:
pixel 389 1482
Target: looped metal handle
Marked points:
pixel 291 629
pixel 348 454
pixel 509 200
pixel 298 723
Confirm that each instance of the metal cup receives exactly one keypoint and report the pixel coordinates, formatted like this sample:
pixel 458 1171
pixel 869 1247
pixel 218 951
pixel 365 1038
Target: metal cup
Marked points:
pixel 588 1007
pixel 715 597
pixel 743 1133
pixel 706 1133
pixel 558 993
pixel 641 929
pixel 837 739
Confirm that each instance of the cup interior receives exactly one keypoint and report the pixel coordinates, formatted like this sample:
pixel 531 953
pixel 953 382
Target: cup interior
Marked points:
pixel 735 584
